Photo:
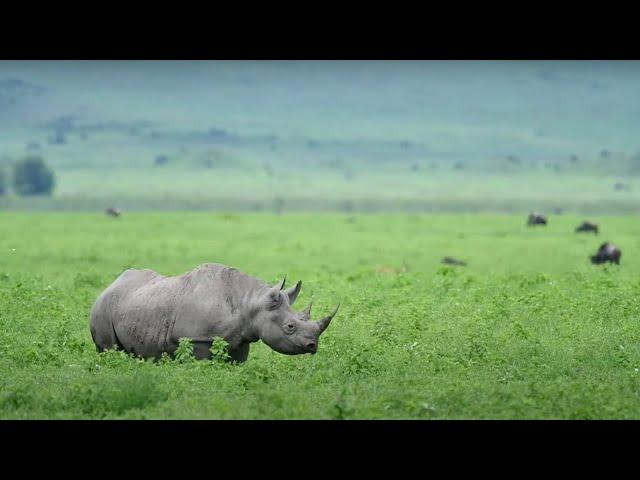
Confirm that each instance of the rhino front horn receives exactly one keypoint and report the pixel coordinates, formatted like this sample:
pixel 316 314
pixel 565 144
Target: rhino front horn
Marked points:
pixel 324 323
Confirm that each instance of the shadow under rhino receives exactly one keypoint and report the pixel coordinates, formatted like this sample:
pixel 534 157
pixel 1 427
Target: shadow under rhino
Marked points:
pixel 146 314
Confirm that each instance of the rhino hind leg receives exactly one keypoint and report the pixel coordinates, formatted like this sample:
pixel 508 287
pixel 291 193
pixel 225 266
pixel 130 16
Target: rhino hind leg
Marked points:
pixel 104 335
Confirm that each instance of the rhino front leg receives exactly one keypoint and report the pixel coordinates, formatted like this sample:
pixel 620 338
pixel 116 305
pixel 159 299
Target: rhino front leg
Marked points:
pixel 202 351
pixel 240 353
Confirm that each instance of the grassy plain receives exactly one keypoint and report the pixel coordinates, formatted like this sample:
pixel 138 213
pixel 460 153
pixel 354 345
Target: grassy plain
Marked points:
pixel 367 191
pixel 529 329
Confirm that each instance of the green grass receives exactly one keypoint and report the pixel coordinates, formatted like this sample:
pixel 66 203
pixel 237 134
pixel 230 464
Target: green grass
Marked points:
pixel 529 329
pixel 296 190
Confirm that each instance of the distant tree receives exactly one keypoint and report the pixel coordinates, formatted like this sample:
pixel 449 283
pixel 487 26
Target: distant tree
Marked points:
pixel 160 160
pixel 3 182
pixel 31 176
pixel 58 138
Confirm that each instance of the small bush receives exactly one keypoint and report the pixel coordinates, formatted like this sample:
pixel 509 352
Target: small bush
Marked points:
pixel 3 182
pixel 184 352
pixel 219 350
pixel 32 176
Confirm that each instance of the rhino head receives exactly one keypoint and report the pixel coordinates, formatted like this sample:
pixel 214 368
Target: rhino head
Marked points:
pixel 283 329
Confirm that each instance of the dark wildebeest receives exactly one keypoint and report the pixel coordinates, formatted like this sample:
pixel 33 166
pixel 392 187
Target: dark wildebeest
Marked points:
pixel 607 253
pixel 453 261
pixel 587 227
pixel 146 314
pixel 113 212
pixel 536 218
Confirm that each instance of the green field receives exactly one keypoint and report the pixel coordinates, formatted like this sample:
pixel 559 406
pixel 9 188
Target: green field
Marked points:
pixel 529 329
pixel 369 191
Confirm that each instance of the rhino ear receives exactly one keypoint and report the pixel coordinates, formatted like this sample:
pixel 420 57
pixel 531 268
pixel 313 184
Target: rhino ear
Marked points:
pixel 293 292
pixel 280 285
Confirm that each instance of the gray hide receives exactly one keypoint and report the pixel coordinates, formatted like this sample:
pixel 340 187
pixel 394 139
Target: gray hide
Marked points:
pixel 145 313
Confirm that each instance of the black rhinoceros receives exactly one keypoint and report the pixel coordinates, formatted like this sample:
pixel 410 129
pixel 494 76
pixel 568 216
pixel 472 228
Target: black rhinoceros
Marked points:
pixel 146 314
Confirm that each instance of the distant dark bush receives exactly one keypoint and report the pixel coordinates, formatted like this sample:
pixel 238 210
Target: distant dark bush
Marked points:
pixel 458 166
pixel 207 162
pixel 3 182
pixel 58 138
pixel 32 176
pixel 160 160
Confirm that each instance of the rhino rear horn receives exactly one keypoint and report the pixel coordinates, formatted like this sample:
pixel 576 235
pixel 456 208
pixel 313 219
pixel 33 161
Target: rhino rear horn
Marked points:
pixel 307 312
pixel 280 285
pixel 292 292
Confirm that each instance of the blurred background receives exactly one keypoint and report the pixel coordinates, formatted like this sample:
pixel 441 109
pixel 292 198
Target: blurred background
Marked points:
pixel 340 136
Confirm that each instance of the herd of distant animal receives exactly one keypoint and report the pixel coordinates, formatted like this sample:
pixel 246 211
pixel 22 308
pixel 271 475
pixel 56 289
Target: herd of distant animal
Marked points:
pixel 607 252
pixel 147 314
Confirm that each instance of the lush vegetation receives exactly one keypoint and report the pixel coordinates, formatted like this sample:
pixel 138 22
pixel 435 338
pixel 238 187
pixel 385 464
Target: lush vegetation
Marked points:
pixel 529 329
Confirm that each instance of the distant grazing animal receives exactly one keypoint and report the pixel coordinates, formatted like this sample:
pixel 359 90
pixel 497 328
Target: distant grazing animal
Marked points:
pixel 536 218
pixel 607 253
pixel 453 261
pixel 621 186
pixel 587 227
pixel 113 212
pixel 146 314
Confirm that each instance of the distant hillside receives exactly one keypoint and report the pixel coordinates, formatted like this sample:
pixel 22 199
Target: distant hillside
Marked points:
pixel 277 127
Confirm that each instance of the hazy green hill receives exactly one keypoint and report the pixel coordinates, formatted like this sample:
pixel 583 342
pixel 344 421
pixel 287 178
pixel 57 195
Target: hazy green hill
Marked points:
pixel 157 130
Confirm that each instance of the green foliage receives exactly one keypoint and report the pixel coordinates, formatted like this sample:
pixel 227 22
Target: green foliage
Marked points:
pixel 184 352
pixel 219 350
pixel 529 329
pixel 31 176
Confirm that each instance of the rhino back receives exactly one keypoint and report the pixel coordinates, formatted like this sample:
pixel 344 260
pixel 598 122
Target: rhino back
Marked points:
pixel 107 308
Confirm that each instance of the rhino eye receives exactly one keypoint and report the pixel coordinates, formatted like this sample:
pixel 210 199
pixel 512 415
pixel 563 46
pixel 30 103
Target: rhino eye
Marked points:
pixel 289 328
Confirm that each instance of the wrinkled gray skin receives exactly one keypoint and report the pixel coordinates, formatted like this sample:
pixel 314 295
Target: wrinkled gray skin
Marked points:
pixel 607 253
pixel 587 227
pixel 145 313
pixel 536 219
